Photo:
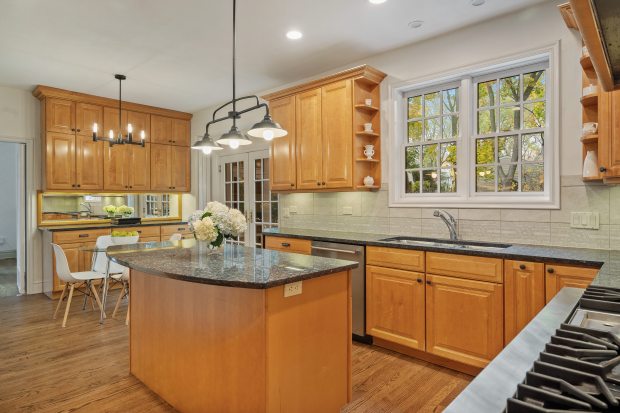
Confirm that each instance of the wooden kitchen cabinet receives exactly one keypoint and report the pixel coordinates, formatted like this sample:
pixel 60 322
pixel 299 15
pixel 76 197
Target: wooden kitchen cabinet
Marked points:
pixel 170 168
pixel 524 295
pixel 59 116
pixel 161 129
pixel 609 136
pixel 87 114
pixel 127 168
pixel 181 132
pixel 404 259
pixel 140 121
pixel 395 306
pixel 283 168
pixel 110 122
pixel 296 245
pixel 309 141
pixel 327 134
pixel 464 319
pixel 168 230
pixel 88 163
pixel 60 160
pixel 559 276
pixel 337 135
pixel 465 266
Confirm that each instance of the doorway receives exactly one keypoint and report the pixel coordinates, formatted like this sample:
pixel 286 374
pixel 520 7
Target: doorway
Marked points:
pixel 243 183
pixel 12 218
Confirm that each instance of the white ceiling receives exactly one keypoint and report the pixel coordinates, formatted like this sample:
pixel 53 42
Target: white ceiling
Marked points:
pixel 176 54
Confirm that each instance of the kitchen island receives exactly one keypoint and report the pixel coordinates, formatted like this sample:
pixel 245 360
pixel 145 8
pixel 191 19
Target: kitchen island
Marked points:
pixel 225 331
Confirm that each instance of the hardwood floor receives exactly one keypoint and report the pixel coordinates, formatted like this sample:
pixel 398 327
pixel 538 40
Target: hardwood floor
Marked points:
pixel 85 367
pixel 8 277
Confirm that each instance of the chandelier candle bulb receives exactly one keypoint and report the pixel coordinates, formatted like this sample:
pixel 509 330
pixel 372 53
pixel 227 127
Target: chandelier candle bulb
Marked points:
pixel 111 134
pixel 129 128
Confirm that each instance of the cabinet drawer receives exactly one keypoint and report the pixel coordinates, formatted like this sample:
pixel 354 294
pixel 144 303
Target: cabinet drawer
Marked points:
pixel 144 232
pixel 167 230
pixel 411 260
pixel 68 237
pixel 300 246
pixel 465 266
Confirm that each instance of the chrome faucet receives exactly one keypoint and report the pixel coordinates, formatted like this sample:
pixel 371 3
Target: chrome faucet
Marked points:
pixel 450 222
pixel 89 208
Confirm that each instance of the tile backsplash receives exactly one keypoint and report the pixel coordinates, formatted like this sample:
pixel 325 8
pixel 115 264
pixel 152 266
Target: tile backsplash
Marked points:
pixel 371 214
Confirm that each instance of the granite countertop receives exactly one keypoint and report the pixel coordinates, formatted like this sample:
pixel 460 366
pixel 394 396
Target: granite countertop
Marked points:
pixel 607 261
pixel 233 266
pixel 73 227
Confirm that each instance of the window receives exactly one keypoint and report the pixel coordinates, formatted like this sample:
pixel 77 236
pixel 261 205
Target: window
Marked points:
pixel 483 137
pixel 510 133
pixel 430 150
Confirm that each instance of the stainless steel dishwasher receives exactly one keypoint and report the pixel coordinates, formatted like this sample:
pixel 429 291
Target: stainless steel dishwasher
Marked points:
pixel 358 280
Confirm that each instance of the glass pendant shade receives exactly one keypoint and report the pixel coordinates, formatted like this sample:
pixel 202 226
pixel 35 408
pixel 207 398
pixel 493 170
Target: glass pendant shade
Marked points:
pixel 233 138
pixel 206 145
pixel 267 129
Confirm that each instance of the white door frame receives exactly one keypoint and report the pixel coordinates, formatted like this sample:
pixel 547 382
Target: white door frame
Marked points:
pixel 28 246
pixel 220 190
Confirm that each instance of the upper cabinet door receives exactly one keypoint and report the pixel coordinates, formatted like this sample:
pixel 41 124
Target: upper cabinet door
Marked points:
pixel 114 167
pixel 180 168
pixel 161 179
pixel 139 167
pixel 161 129
pixel 282 162
pixel 609 134
pixel 337 132
pixel 89 163
pixel 110 121
pixel 181 132
pixel 139 122
pixel 59 115
pixel 85 116
pixel 59 161
pixel 308 139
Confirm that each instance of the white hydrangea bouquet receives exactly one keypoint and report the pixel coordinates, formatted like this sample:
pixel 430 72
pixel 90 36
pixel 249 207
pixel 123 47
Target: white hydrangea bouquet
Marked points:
pixel 217 222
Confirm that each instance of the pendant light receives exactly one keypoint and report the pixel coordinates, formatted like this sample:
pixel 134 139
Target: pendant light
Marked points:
pixel 121 139
pixel 266 129
pixel 206 145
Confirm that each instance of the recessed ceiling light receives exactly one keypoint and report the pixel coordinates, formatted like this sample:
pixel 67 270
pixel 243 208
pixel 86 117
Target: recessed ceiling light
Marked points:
pixel 294 34
pixel 415 24
pixel 477 2
pixel 377 1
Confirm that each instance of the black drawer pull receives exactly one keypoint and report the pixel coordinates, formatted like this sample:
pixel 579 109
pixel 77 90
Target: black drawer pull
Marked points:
pixel 286 244
pixel 83 235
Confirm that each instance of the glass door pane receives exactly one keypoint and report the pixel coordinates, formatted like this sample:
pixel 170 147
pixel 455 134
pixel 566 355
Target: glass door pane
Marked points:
pixel 234 174
pixel 265 205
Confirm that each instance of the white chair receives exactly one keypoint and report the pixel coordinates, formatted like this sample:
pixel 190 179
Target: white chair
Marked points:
pixel 116 271
pixel 176 237
pixel 73 279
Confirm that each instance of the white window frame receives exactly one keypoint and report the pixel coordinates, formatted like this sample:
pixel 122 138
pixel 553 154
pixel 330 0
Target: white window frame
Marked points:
pixel 466 197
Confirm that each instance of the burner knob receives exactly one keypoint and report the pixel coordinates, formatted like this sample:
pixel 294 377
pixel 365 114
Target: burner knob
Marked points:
pixel 550 270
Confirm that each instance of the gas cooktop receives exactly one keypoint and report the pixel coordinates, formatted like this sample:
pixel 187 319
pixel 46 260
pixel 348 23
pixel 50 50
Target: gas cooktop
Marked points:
pixel 579 368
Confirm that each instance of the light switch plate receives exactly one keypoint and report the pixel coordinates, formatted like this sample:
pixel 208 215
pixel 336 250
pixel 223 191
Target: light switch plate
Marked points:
pixel 347 210
pixel 585 220
pixel 292 289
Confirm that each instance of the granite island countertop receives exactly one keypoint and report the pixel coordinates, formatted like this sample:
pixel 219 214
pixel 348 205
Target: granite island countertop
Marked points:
pixel 233 265
pixel 607 261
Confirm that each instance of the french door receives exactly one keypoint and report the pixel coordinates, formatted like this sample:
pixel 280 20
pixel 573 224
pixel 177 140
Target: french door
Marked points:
pixel 244 185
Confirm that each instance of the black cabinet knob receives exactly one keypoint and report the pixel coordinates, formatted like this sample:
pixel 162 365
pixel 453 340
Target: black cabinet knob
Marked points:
pixel 419 280
pixel 429 282
pixel 78 130
pixel 602 169
pixel 550 270
pixel 292 185
pixel 522 266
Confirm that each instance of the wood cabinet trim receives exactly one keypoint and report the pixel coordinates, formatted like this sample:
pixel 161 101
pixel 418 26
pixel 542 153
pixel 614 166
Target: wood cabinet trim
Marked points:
pixel 404 259
pixel 465 266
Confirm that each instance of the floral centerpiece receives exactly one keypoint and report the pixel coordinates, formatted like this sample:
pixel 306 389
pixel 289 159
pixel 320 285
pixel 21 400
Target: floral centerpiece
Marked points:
pixel 110 210
pixel 216 223
pixel 124 210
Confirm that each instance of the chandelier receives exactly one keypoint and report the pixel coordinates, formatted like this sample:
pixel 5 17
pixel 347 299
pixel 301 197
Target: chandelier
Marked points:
pixel 120 139
pixel 266 128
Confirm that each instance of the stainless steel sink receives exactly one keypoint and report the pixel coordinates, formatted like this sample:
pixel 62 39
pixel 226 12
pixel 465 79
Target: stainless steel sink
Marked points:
pixel 433 242
pixel 596 320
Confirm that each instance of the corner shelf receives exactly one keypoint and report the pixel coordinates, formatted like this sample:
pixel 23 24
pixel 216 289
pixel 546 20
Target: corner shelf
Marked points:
pixel 592 179
pixel 367 108
pixel 372 134
pixel 367 160
pixel 592 138
pixel 590 100
pixel 371 188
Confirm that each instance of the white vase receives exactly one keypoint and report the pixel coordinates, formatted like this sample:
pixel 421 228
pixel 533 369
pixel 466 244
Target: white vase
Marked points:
pixel 369 181
pixel 369 151
pixel 590 165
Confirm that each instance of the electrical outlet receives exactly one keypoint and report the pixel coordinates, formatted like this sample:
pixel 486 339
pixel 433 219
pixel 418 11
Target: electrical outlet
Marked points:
pixel 293 209
pixel 347 210
pixel 585 220
pixel 292 289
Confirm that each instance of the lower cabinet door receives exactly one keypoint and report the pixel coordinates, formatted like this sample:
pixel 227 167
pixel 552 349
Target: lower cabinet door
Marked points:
pixel 73 253
pixel 395 306
pixel 524 295
pixel 464 319
pixel 560 276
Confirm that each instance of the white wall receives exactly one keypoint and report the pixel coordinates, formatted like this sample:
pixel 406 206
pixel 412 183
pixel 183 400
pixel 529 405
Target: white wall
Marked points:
pixel 8 188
